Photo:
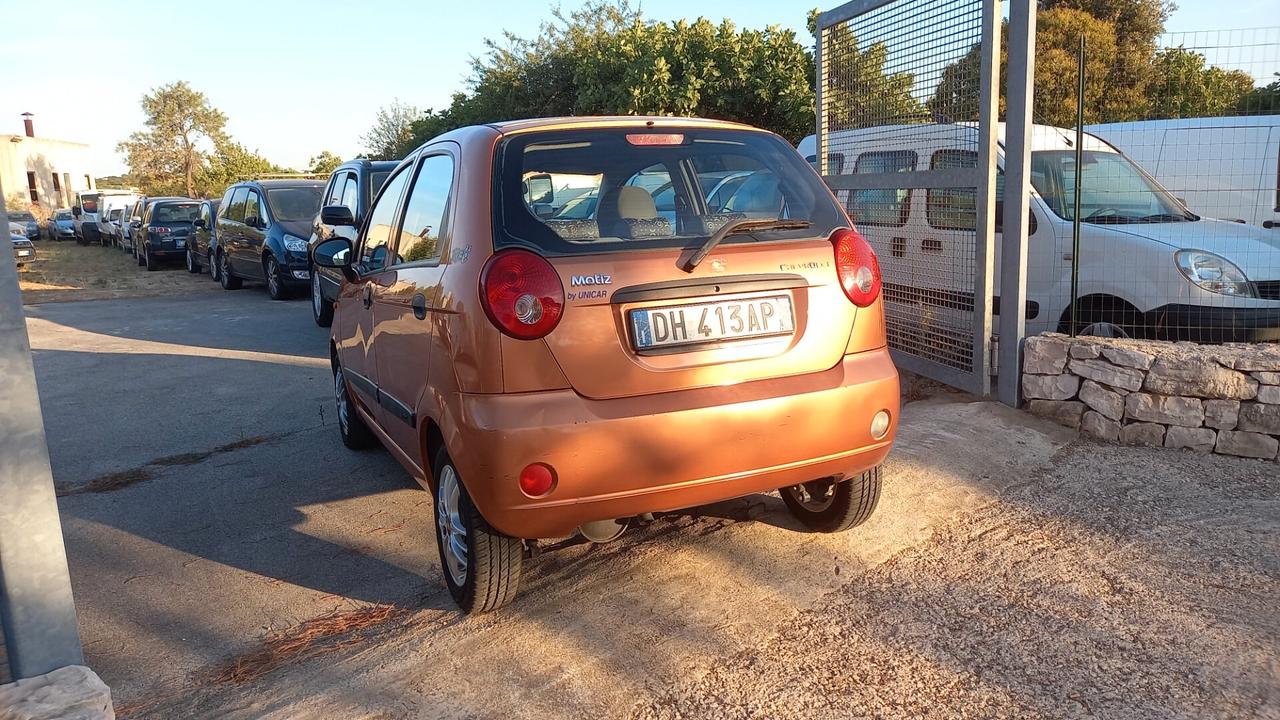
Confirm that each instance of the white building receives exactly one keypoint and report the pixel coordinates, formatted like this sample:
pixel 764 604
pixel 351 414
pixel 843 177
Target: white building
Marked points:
pixel 42 170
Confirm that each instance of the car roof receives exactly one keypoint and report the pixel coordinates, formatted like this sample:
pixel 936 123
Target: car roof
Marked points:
pixel 367 164
pixel 589 121
pixel 283 183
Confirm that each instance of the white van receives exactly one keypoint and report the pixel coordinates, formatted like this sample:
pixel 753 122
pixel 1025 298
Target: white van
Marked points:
pixel 1223 167
pixel 92 209
pixel 1148 266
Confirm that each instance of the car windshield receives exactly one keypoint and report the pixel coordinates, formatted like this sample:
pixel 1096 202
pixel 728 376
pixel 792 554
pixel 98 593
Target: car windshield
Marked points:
pixel 1112 190
pixel 295 203
pixel 21 217
pixel 63 215
pixel 176 213
pixel 589 191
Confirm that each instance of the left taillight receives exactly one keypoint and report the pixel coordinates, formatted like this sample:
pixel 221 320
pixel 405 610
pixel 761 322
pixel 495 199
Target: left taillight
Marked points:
pixel 522 294
pixel 856 266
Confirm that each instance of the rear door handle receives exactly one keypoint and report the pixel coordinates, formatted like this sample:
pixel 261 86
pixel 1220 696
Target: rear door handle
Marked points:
pixel 419 305
pixel 366 297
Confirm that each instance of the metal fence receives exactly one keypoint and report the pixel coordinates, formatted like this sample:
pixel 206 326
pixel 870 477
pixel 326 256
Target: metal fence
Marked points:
pixel 1161 220
pixel 918 186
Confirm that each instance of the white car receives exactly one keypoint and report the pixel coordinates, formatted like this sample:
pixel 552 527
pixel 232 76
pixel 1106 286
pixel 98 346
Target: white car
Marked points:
pixel 1148 265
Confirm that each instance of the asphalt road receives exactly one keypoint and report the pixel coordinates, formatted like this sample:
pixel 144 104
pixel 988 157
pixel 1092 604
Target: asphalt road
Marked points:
pixel 230 563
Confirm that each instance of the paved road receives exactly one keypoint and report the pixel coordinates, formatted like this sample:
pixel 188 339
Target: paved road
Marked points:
pixel 996 534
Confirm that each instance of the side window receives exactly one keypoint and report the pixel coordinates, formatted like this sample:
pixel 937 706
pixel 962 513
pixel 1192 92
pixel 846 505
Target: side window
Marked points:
pixel 350 190
pixel 333 192
pixel 253 206
pixel 882 206
pixel 952 208
pixel 235 206
pixel 382 218
pixel 146 214
pixel 423 231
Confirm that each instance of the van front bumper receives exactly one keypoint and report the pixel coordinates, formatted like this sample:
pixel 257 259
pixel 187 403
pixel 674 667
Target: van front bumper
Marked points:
pixel 623 457
pixel 1198 323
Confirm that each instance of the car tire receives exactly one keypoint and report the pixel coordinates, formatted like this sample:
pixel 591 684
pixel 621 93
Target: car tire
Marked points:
pixel 193 265
pixel 480 565
pixel 150 261
pixel 276 289
pixel 321 309
pixel 137 255
pixel 355 433
pixel 213 267
pixel 830 507
pixel 225 278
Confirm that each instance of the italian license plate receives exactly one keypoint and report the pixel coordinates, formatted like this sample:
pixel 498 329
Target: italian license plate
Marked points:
pixel 719 321
pixel 24 253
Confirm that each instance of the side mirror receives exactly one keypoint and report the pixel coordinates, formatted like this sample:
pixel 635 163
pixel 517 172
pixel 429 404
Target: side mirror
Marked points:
pixel 540 189
pixel 332 253
pixel 199 222
pixel 135 222
pixel 339 215
pixel 75 210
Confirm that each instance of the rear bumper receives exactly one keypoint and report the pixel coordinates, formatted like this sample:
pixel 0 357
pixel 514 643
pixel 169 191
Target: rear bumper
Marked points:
pixel 1198 323
pixel 617 458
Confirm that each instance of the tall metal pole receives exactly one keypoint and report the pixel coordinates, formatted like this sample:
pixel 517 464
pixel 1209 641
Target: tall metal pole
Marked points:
pixel 1017 196
pixel 984 260
pixel 36 608
pixel 1075 205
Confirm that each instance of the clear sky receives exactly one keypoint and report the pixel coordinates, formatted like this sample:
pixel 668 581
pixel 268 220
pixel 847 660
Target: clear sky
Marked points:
pixel 295 78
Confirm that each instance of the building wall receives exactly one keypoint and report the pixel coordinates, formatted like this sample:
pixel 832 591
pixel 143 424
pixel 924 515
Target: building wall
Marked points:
pixel 20 155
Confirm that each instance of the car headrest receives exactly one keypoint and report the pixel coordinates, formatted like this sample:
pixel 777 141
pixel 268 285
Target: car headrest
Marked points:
pixel 635 203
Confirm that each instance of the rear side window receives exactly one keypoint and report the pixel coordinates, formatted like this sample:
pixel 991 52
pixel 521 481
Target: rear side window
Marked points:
pixel 882 206
pixel 235 207
pixel 253 206
pixel 589 191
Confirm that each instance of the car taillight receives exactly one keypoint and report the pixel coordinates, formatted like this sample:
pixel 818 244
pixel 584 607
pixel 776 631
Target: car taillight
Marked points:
pixel 522 294
pixel 857 267
pixel 159 230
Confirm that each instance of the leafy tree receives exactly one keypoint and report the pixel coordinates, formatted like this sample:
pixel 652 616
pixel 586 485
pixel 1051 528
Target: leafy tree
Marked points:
pixel 607 59
pixel 230 163
pixel 391 136
pixel 179 122
pixel 863 93
pixel 1183 87
pixel 324 163
pixel 1261 101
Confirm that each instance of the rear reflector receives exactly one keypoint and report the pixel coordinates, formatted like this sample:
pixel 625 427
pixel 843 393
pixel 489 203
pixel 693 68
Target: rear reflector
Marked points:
pixel 857 267
pixel 537 480
pixel 656 139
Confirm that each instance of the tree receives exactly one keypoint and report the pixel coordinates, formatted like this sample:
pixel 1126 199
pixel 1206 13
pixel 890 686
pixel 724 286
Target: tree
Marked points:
pixel 863 93
pixel 1183 87
pixel 324 163
pixel 391 136
pixel 179 122
pixel 231 162
pixel 1261 101
pixel 605 58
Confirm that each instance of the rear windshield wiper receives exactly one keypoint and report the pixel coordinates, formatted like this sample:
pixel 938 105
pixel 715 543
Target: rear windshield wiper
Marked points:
pixel 739 226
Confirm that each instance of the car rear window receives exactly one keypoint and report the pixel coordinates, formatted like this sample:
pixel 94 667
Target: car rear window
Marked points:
pixel 604 190
pixel 176 213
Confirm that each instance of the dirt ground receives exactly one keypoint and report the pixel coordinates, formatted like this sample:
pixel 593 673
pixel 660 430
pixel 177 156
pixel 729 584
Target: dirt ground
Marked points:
pixel 67 272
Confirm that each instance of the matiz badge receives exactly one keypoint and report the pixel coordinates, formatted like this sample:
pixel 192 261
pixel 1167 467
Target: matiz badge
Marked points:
pixel 585 280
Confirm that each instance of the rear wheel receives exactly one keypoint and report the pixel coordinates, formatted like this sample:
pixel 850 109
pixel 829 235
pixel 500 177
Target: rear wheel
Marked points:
pixel 829 506
pixel 193 263
pixel 321 309
pixel 137 255
pixel 213 266
pixel 150 261
pixel 481 565
pixel 225 278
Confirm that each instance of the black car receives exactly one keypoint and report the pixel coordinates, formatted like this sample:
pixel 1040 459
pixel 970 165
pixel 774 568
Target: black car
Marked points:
pixel 354 185
pixel 164 230
pixel 203 239
pixel 27 223
pixel 262 231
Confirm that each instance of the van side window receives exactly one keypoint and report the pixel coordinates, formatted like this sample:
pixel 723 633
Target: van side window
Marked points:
pixel 882 206
pixel 952 208
pixel 253 206
pixel 235 208
pixel 423 232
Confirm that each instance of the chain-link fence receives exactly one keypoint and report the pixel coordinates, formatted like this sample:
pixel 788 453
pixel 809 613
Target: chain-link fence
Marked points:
pixel 1163 219
pixel 891 74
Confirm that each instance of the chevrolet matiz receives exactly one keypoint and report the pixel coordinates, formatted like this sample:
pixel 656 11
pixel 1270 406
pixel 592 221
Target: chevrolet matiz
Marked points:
pixel 558 325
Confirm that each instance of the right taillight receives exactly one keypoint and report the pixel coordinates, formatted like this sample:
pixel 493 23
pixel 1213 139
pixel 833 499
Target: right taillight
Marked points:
pixel 857 267
pixel 522 294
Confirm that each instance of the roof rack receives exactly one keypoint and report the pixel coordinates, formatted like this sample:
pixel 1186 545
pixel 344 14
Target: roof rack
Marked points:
pixel 284 176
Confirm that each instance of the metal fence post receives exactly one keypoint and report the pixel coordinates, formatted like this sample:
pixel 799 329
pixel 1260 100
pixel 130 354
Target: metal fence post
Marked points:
pixel 1017 196
pixel 984 252
pixel 36 608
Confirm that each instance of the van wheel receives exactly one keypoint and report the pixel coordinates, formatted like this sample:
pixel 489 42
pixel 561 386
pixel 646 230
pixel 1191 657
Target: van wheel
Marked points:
pixel 355 434
pixel 828 506
pixel 321 309
pixel 481 565
pixel 225 278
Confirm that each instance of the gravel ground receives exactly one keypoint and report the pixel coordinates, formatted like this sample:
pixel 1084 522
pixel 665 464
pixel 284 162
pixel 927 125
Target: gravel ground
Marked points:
pixel 1098 588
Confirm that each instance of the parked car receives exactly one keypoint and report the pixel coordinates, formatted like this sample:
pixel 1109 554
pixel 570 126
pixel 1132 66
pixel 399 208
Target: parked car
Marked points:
pixel 203 239
pixel 24 251
pixel 1223 167
pixel 27 223
pixel 164 230
pixel 109 226
pixel 133 220
pixel 262 234
pixel 1148 265
pixel 62 226
pixel 353 186
pixel 541 375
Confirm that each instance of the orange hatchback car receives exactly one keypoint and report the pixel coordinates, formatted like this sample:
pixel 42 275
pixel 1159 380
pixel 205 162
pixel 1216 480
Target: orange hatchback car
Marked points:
pixel 556 325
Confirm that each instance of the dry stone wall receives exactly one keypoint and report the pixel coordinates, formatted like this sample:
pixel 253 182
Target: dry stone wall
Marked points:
pixel 1206 398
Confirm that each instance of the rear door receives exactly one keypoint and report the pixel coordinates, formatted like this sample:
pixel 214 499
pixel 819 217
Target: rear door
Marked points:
pixel 231 221
pixel 406 303
pixel 248 254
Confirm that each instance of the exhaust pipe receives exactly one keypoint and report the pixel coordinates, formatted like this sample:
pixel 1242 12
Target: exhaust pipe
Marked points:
pixel 603 531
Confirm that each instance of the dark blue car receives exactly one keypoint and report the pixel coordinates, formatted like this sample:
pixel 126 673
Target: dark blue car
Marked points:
pixel 262 228
pixel 27 223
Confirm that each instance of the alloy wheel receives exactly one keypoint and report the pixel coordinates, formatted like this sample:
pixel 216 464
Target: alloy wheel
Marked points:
pixel 317 299
pixel 452 531
pixel 344 407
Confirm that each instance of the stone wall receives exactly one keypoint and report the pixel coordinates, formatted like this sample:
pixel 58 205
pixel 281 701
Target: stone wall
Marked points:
pixel 1207 398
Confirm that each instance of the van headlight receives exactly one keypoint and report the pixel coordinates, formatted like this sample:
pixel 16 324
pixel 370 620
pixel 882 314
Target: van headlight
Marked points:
pixel 1213 273
pixel 293 243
